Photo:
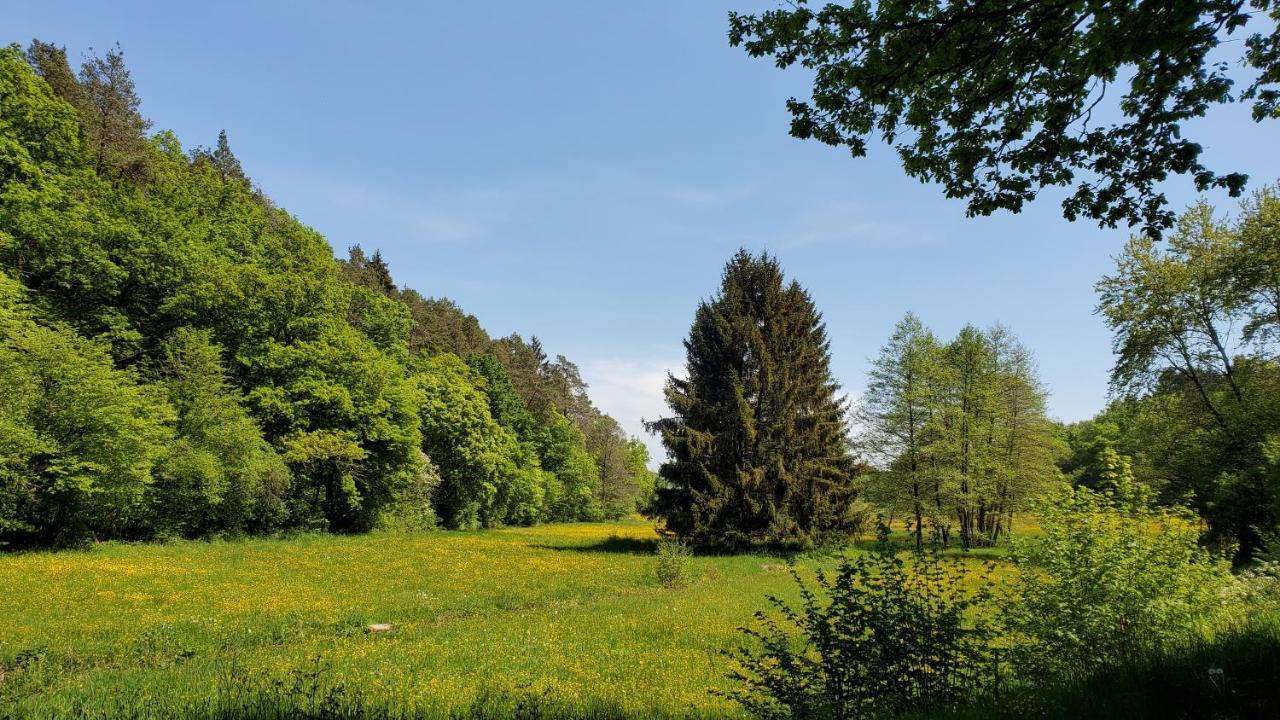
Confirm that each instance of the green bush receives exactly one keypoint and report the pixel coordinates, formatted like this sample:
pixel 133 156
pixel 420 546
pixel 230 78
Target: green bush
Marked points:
pixel 1233 673
pixel 884 636
pixel 1109 578
pixel 674 564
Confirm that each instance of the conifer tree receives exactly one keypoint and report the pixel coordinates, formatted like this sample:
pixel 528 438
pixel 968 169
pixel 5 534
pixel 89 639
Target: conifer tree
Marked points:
pixel 112 121
pixel 50 63
pixel 229 166
pixel 757 437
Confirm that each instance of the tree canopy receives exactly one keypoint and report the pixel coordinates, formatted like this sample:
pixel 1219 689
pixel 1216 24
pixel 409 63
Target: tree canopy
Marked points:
pixel 997 101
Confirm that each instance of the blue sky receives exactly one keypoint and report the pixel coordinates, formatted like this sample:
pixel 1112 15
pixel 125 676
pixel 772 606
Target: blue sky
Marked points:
pixel 582 170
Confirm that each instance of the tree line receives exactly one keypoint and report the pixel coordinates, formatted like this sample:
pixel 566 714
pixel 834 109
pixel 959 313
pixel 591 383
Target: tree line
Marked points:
pixel 180 357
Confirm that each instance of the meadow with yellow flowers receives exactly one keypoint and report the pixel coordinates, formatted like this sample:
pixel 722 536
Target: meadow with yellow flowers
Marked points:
pixel 573 614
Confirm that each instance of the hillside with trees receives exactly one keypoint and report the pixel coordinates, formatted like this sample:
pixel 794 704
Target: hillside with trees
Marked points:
pixel 181 357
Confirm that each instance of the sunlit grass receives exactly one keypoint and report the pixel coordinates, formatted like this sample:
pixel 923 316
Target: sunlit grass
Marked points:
pixel 575 611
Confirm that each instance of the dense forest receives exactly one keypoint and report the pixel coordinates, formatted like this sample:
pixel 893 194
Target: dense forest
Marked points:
pixel 180 357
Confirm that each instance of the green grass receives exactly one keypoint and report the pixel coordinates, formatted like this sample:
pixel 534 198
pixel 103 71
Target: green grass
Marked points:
pixel 570 613
pixel 557 621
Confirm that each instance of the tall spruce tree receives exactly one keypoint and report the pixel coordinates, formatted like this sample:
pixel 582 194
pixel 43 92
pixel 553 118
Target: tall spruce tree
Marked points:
pixel 759 453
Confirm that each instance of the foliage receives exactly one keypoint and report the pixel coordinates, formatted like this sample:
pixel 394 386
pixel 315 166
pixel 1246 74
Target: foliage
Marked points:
pixel 959 430
pixel 219 474
pixel 563 452
pixel 884 635
pixel 757 438
pixel 1110 578
pixel 996 101
pixel 674 570
pixel 79 438
pixel 281 378
pixel 487 477
pixel 643 480
pixel 1232 673
pixel 1196 407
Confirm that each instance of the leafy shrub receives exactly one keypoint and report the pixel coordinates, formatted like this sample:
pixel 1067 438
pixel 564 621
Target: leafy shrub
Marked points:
pixel 674 564
pixel 1110 578
pixel 1232 673
pixel 883 636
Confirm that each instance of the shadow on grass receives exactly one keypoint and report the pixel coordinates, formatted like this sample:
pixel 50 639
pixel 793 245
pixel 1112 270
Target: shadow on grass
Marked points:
pixel 618 545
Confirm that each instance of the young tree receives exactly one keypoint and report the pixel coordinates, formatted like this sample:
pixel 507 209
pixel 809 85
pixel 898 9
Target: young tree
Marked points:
pixel 996 101
pixel 881 637
pixel 1108 578
pixel 897 418
pixel 757 438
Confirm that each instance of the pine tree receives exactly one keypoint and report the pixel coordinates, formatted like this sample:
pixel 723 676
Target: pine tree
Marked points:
pixel 228 166
pixel 381 272
pixel 50 62
pixel 115 128
pixel 757 438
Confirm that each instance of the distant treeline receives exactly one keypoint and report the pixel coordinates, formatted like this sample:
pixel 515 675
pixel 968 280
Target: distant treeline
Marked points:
pixel 180 357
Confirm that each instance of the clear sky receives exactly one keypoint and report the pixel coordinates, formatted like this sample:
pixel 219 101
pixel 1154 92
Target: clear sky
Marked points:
pixel 582 170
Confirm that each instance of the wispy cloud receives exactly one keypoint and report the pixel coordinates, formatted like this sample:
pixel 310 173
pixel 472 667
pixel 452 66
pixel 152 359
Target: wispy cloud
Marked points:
pixel 850 223
pixel 457 215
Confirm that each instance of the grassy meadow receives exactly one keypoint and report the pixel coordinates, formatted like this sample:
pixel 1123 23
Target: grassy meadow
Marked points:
pixel 570 612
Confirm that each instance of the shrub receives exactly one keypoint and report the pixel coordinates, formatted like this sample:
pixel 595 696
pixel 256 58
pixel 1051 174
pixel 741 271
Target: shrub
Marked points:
pixel 1110 578
pixel 883 636
pixel 674 564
